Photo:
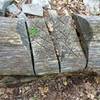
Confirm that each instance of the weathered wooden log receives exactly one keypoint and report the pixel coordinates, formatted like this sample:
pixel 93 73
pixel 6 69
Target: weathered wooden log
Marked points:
pixel 15 56
pixel 56 51
pixel 92 6
pixel 88 28
pixel 50 51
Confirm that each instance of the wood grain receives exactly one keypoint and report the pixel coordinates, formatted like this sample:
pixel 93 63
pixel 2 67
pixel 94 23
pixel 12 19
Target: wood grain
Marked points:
pixel 45 60
pixel 15 56
pixel 67 44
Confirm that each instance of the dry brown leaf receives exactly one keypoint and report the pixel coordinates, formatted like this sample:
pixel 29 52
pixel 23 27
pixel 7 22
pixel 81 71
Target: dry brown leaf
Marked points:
pixel 97 80
pixel 65 82
pixel 50 26
pixel 17 1
pixel 43 90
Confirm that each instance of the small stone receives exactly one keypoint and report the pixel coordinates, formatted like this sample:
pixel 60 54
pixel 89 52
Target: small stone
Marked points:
pixel 43 3
pixel 27 88
pixel 32 9
pixel 91 96
pixel 13 9
pixel 3 5
pixel 66 12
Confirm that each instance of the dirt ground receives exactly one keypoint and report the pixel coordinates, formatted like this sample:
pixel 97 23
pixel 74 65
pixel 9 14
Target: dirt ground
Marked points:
pixel 75 86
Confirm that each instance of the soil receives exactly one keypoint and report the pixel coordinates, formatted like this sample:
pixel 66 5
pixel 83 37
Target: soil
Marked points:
pixel 75 86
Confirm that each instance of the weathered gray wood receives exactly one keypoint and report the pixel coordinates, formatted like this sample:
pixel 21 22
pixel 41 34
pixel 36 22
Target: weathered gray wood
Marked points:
pixel 88 28
pixel 62 41
pixel 45 60
pixel 90 25
pixel 67 44
pixel 15 56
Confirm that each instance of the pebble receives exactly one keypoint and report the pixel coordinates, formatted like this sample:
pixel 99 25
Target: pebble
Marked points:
pixel 43 3
pixel 3 5
pixel 13 9
pixel 32 9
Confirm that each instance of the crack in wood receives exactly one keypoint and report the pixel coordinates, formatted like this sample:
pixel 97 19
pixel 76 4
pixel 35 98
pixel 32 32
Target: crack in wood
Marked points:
pixel 31 50
pixel 56 52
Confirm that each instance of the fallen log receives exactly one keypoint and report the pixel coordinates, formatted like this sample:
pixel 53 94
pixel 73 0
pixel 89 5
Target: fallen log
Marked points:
pixel 58 51
pixel 54 52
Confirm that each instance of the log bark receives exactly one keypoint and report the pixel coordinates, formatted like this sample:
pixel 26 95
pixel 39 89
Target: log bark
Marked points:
pixel 15 56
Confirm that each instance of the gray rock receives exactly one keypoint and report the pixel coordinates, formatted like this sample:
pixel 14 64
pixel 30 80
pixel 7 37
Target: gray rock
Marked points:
pixel 13 9
pixel 43 3
pixel 3 5
pixel 32 9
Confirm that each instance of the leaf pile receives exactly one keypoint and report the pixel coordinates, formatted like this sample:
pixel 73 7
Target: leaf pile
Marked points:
pixel 65 7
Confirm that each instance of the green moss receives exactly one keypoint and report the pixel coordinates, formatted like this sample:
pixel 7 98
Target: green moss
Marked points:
pixel 34 98
pixel 33 32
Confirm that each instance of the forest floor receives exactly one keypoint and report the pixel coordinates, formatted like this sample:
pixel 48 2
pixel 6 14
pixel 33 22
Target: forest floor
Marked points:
pixel 73 86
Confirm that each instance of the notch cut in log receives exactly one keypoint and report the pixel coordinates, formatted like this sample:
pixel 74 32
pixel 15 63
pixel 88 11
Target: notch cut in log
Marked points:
pixel 88 28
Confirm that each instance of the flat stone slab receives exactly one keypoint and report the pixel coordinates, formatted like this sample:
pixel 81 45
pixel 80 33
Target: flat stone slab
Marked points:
pixel 15 56
pixel 51 50
pixel 32 9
